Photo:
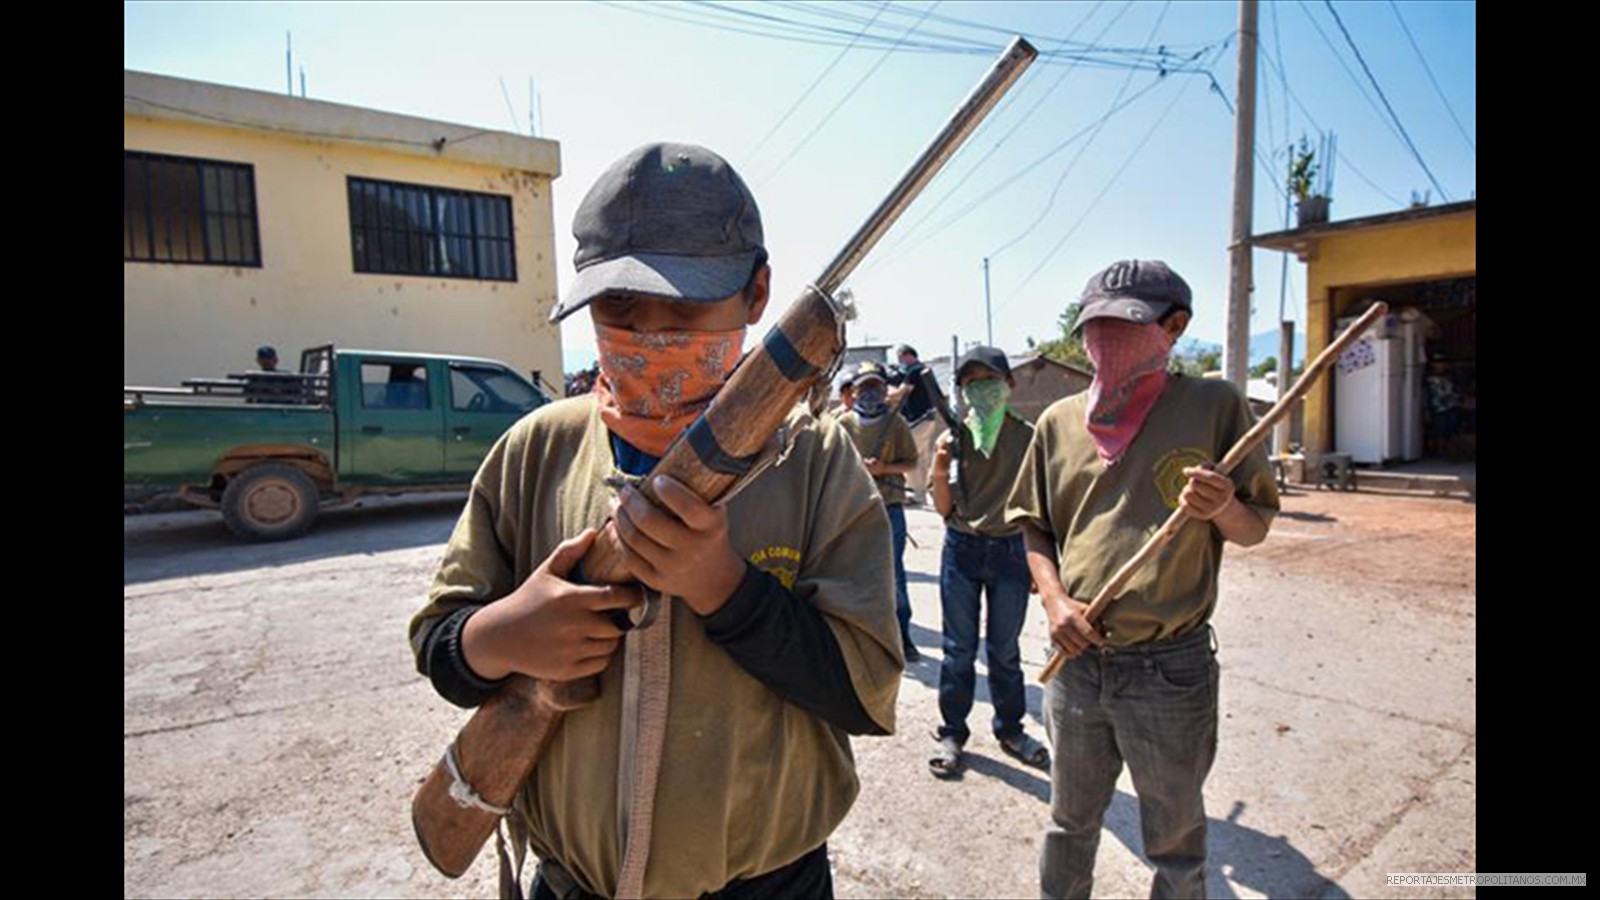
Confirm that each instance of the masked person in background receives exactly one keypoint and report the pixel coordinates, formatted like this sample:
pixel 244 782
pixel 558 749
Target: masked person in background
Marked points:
pixel 776 637
pixel 846 384
pixel 970 480
pixel 884 441
pixel 916 407
pixel 1105 469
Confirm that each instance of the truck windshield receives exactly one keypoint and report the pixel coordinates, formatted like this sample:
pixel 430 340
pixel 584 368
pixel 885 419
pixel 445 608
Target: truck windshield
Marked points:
pixel 484 389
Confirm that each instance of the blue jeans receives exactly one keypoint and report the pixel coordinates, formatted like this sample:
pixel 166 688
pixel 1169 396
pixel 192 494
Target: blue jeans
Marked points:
pixel 1154 706
pixel 902 600
pixel 972 564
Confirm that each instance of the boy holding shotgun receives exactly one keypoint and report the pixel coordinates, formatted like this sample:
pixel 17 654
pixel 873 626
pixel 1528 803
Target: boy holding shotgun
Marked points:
pixel 774 628
pixel 1105 469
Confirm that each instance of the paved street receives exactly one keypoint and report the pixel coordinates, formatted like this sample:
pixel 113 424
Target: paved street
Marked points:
pixel 274 729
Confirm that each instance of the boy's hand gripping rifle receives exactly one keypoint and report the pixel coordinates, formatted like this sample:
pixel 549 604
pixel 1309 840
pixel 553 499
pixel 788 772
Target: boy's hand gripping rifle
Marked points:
pixel 462 800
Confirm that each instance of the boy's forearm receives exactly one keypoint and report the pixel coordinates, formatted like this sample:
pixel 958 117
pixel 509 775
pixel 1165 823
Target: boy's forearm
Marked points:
pixel 939 486
pixel 1240 524
pixel 1041 552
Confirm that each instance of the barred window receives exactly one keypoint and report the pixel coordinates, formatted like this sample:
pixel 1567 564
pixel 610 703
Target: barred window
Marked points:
pixel 182 210
pixel 409 229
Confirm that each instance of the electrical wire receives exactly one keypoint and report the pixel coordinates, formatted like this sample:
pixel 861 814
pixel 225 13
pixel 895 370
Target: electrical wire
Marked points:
pixel 842 101
pixel 813 86
pixel 1073 163
pixel 1432 80
pixel 1386 105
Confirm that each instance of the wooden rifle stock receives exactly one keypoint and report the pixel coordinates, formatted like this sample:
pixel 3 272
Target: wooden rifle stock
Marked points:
pixel 501 744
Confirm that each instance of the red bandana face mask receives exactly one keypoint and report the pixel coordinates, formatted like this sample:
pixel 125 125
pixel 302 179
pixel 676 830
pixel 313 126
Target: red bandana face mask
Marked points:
pixel 1130 372
pixel 653 384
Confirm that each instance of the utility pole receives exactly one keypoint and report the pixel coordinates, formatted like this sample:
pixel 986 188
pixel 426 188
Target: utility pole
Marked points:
pixel 1285 369
pixel 302 81
pixel 288 60
pixel 988 316
pixel 1236 350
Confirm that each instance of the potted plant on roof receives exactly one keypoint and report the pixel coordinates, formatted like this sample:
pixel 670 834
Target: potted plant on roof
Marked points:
pixel 1311 182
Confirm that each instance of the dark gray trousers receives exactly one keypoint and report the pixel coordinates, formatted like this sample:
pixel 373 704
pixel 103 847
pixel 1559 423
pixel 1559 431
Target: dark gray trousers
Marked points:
pixel 1155 707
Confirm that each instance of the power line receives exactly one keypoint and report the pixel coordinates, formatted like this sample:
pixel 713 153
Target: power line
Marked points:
pixel 1339 58
pixel 1432 80
pixel 1266 167
pixel 1300 105
pixel 750 22
pixel 842 100
pixel 1098 197
pixel 906 234
pixel 1006 182
pixel 1379 88
pixel 813 86
pixel 1001 29
pixel 731 13
pixel 1073 163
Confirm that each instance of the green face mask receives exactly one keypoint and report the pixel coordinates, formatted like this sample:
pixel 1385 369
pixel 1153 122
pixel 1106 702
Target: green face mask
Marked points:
pixel 986 411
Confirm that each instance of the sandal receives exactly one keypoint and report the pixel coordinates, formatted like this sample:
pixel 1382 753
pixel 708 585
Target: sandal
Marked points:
pixel 1027 750
pixel 946 763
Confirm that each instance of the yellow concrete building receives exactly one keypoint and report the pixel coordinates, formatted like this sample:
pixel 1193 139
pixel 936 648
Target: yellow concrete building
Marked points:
pixel 1424 260
pixel 255 218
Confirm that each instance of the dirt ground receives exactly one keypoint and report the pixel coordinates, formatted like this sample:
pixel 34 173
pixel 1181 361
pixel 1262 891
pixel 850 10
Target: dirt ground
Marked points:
pixel 274 729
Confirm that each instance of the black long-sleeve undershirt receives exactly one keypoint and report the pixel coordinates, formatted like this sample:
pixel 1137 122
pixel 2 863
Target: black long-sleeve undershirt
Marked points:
pixel 782 641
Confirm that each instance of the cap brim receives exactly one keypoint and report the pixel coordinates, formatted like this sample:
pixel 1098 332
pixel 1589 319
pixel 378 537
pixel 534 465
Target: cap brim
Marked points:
pixel 699 279
pixel 1129 309
pixel 962 369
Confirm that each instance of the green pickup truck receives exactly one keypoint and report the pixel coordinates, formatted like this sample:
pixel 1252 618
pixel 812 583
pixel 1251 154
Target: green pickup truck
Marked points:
pixel 270 448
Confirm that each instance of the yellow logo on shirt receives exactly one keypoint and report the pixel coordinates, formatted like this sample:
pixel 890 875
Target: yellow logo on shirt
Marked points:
pixel 1169 476
pixel 782 563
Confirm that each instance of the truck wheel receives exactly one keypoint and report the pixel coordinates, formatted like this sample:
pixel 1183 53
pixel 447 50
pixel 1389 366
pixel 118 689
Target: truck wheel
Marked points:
pixel 270 502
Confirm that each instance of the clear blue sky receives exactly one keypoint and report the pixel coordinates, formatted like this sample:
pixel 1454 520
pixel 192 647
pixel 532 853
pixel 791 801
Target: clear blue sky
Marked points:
pixel 613 76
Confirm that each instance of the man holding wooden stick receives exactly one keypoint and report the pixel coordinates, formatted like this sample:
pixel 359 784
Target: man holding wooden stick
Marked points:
pixel 775 631
pixel 1105 469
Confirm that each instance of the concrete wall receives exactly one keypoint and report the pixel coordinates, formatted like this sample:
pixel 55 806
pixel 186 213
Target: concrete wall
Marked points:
pixel 182 321
pixel 1422 250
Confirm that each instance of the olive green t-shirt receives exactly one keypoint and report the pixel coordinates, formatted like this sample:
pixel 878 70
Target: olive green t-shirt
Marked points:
pixel 748 782
pixel 889 439
pixel 1100 517
pixel 979 507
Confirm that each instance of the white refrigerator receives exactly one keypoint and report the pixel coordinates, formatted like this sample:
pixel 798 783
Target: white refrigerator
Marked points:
pixel 1378 393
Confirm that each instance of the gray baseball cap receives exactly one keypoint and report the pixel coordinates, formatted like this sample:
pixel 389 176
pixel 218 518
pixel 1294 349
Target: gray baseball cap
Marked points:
pixel 1137 290
pixel 666 220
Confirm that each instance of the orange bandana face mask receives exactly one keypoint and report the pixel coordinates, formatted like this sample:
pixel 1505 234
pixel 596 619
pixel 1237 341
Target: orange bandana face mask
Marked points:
pixel 653 384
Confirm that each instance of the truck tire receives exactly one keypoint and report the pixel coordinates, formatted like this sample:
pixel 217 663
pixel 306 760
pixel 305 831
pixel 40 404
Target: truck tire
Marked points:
pixel 269 502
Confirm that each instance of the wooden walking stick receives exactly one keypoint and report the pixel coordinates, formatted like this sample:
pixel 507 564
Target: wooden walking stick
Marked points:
pixel 1236 455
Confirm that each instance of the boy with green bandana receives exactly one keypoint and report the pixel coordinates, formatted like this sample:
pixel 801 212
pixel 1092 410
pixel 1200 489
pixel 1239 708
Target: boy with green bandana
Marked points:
pixel 982 555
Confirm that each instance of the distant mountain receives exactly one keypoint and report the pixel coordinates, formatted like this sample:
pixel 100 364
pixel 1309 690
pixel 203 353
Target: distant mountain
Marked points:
pixel 1261 346
pixel 1266 344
